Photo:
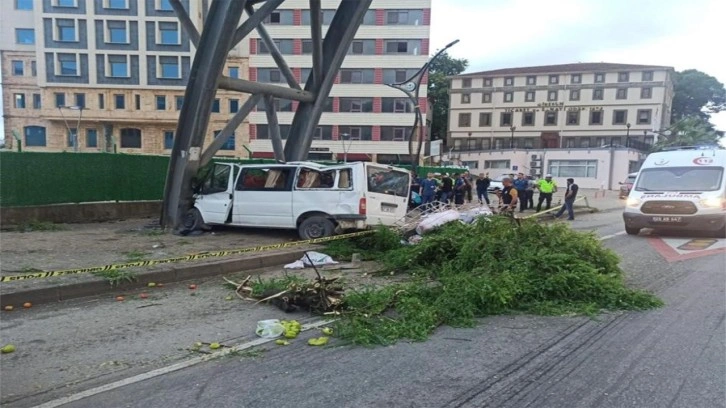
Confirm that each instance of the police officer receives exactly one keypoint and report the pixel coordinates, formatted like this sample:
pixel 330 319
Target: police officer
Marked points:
pixel 546 188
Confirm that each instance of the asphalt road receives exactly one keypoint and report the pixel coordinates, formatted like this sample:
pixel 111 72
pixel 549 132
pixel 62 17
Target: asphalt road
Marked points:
pixel 670 357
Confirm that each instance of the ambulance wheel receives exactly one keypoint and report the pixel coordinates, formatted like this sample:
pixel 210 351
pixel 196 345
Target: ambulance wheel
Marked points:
pixel 316 227
pixel 632 230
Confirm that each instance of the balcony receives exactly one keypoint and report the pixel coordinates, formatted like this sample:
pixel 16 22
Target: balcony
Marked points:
pixel 494 144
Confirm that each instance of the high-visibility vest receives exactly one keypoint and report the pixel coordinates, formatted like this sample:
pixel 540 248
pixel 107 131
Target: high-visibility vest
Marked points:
pixel 547 187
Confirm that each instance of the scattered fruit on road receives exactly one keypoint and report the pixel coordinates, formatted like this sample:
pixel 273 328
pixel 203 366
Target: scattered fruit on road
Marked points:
pixel 228 298
pixel 192 286
pixel 8 348
pixel 215 346
pixel 9 308
pixel 291 328
pixel 151 284
pixel 143 296
pixel 281 342
pixel 120 298
pixel 159 285
pixel 327 331
pixel 27 305
pixel 320 341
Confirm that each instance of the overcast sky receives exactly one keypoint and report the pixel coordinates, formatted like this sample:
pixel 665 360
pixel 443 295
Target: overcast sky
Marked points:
pixel 517 33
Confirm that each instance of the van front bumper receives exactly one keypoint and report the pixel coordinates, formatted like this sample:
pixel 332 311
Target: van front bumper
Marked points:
pixel 704 222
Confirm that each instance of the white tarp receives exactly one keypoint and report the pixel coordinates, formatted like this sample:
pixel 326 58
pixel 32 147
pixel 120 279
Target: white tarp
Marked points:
pixel 317 258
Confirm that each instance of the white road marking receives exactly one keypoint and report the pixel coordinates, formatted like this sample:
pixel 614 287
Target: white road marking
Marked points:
pixel 165 370
pixel 606 237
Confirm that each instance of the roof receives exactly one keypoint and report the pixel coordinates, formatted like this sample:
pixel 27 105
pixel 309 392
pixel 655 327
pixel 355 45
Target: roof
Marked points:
pixel 564 68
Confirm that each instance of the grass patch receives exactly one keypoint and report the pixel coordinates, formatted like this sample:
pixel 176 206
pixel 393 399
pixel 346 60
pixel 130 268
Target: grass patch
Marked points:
pixel 134 256
pixel 117 277
pixel 369 246
pixel 153 232
pixel 35 225
pixel 462 272
pixel 253 352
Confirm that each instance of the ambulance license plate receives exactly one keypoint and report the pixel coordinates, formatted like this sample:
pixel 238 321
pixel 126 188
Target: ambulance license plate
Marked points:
pixel 667 220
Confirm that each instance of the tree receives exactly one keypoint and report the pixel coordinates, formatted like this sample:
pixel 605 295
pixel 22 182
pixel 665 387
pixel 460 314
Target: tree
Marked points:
pixel 438 91
pixel 690 131
pixel 696 94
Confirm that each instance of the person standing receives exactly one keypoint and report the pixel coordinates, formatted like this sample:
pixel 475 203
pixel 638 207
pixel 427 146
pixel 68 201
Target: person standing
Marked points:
pixel 546 188
pixel 459 189
pixel 530 192
pixel 482 188
pixel 521 185
pixel 447 185
pixel 428 189
pixel 508 196
pixel 570 196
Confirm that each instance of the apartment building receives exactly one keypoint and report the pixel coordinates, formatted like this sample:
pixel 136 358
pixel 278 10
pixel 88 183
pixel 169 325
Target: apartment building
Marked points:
pixel 109 75
pixel 592 121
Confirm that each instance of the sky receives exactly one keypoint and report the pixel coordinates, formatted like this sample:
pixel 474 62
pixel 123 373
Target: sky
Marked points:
pixel 516 33
pixel 497 34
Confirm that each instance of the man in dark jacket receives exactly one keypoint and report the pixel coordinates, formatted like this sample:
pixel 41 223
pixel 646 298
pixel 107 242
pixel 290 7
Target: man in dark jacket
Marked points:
pixel 447 187
pixel 570 196
pixel 482 187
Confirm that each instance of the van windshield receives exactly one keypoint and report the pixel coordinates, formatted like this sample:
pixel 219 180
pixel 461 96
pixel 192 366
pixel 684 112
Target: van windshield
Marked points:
pixel 388 181
pixel 680 179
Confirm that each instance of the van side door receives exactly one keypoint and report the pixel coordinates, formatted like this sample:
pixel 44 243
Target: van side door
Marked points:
pixel 214 199
pixel 387 193
pixel 263 197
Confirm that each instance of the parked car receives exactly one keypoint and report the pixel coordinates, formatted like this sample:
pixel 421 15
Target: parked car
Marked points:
pixel 314 199
pixel 496 182
pixel 627 185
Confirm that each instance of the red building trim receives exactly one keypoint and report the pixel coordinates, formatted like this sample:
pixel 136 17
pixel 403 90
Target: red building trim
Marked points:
pixel 425 46
pixel 376 133
pixel 253 46
pixel 355 156
pixel 297 46
pixel 335 132
pixel 423 104
pixel 336 105
pixel 297 16
pixel 253 131
pixel 380 17
pixel 263 155
pixel 297 73
pixel 377 105
pixel 379 46
pixel 427 16
pixel 253 74
pixel 378 76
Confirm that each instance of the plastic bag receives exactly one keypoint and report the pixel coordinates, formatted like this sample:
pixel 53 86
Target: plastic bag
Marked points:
pixel 317 259
pixel 269 329
pixel 436 220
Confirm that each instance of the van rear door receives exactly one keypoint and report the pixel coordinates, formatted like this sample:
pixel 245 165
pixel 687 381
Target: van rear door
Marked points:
pixel 387 193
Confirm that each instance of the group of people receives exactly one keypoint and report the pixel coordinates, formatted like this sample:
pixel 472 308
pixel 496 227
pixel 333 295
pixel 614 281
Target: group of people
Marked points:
pixel 517 192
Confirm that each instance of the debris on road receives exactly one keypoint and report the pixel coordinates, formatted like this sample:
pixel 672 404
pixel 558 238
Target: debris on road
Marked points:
pixel 269 329
pixel 8 348
pixel 320 341
pixel 311 258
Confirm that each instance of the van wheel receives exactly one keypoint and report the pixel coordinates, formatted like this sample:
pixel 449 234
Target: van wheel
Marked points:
pixel 316 227
pixel 193 221
pixel 632 231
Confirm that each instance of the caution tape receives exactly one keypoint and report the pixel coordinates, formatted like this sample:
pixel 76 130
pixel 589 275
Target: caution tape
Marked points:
pixel 554 209
pixel 192 257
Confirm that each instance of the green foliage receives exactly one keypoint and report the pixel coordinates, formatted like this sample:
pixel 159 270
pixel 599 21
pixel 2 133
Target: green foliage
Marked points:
pixel 134 256
pixel 696 94
pixel 267 287
pixel 116 277
pixel 369 246
pixel 689 131
pixel 35 225
pixel 469 271
pixel 438 91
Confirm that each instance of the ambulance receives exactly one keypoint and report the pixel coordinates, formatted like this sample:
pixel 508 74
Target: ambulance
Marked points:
pixel 680 189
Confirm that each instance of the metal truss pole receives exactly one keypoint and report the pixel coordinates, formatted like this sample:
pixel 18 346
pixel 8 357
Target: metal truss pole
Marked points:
pixel 411 88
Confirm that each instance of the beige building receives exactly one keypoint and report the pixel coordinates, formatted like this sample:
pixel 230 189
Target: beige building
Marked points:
pixel 589 121
pixel 120 66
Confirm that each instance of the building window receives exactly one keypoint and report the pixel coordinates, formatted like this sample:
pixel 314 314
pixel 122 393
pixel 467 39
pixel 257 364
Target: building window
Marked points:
pixel 391 133
pixel 101 101
pixel 508 81
pixel 356 132
pixel 67 64
pixel 531 80
pixel 131 138
pixel 497 164
pixel 117 4
pixel 599 78
pixel 233 105
pixel 396 105
pixel 576 79
pixel 233 72
pixel 23 4
pixel 529 96
pixel 72 137
pixel 169 67
pixel 81 100
pixel 574 94
pixel 137 101
pixel 361 47
pixel 550 118
pixel 466 83
pixel 357 76
pixel 282 105
pixel 307 47
pixel 169 33
pixel 34 136
pixel 596 117
pixel 91 138
pixel 119 101
pixel 527 118
pixel 485 119
pixel 17 68
pixel 19 100
pixel 647 76
pixel 465 98
pixel 646 92
pixel 116 32
pixel 554 79
pixel 620 117
pixel 573 118
pixel 215 105
pixel 285 46
pixel 66 30
pixel 644 116
pixel 623 76
pixel 60 99
pixel 621 93
pixel 37 104
pixel 486 97
pixel 33 68
pixel 164 5
pixel 487 82
pixel 404 17
pixel 263 132
pixel 178 102
pixel 508 96
pixel 597 94
pixel 465 120
pixel 505 119
pixel 168 139
pixel 356 104
pixel 271 75
pixel 66 3
pixel 161 102
pixel 551 96
pixel 573 168
pixel 25 36
pixel 412 47
pixel 118 66
pixel 274 18
pixel 326 16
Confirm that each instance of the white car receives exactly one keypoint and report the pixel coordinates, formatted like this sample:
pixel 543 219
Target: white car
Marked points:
pixel 496 182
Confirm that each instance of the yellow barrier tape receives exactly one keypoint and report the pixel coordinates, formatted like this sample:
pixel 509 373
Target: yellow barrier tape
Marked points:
pixel 553 209
pixel 192 257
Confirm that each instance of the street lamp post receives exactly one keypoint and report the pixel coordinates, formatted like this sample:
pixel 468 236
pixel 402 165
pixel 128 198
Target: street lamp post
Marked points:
pixel 78 123
pixel 627 135
pixel 511 141
pixel 343 136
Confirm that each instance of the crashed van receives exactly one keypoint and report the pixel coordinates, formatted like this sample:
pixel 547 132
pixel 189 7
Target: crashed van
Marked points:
pixel 314 199
pixel 679 190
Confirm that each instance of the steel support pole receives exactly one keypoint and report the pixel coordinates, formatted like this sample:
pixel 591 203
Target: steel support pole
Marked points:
pixel 185 21
pixel 209 61
pixel 273 129
pixel 229 129
pixel 254 20
pixel 274 52
pixel 316 35
pixel 242 85
pixel 340 34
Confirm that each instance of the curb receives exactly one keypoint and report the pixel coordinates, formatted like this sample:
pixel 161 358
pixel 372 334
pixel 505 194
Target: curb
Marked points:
pixel 98 286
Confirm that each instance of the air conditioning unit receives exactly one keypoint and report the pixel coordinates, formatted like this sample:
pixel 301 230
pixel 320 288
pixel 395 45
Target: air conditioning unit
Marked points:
pixel 535 164
pixel 535 157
